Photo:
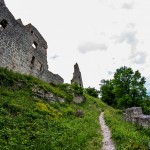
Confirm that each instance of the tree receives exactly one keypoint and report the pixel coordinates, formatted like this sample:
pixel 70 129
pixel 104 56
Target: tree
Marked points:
pixel 106 92
pixel 127 88
pixel 92 92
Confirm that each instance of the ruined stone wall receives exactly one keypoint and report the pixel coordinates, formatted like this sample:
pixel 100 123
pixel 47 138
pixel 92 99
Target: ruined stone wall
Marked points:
pixel 22 48
pixel 135 115
pixel 77 78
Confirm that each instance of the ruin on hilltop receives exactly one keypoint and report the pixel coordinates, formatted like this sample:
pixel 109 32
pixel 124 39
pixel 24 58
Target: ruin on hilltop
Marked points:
pixel 77 77
pixel 22 48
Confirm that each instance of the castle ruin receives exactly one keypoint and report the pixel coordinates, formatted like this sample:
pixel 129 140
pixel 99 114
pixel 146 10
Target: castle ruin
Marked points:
pixel 77 78
pixel 22 48
pixel 135 115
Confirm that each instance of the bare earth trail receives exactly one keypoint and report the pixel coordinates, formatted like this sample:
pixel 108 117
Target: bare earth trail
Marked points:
pixel 107 143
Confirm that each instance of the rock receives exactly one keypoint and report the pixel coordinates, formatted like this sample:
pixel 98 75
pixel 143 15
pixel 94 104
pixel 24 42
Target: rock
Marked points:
pixel 46 95
pixel 135 115
pixel 38 92
pixel 50 97
pixel 78 99
pixel 61 100
pixel 77 78
pixel 79 113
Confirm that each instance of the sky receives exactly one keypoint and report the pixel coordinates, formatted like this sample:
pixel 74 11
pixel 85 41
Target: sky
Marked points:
pixel 100 35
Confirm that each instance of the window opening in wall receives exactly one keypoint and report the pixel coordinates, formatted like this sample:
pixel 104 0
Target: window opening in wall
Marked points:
pixel 3 24
pixel 32 62
pixel 34 45
pixel 32 32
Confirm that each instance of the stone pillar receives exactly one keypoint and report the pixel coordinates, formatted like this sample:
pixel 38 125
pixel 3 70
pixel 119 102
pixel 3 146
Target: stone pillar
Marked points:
pixel 77 78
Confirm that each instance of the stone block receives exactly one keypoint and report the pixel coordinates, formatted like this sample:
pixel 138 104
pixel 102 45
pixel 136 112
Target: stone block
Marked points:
pixel 136 116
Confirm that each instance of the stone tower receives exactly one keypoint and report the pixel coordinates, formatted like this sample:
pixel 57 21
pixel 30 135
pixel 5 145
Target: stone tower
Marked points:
pixel 22 48
pixel 77 78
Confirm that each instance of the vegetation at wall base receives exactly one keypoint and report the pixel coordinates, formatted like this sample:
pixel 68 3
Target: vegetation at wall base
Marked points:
pixel 29 122
pixel 126 136
pixel 126 90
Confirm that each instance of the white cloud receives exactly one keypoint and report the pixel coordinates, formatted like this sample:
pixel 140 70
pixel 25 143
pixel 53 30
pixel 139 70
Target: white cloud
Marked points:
pixel 125 4
pixel 128 5
pixel 131 25
pixel 129 37
pixel 91 46
pixel 138 57
pixel 110 72
pixel 66 32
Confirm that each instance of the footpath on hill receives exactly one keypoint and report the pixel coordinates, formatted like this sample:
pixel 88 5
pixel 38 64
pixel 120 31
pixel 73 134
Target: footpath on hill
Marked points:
pixel 107 143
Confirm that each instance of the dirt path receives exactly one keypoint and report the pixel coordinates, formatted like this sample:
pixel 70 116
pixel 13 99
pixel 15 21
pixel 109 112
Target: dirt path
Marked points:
pixel 107 143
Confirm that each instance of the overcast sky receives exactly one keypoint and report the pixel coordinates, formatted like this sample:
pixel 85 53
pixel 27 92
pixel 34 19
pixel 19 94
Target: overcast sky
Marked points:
pixel 100 35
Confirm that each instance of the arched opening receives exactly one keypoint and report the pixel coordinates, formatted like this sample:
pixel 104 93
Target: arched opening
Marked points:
pixel 32 62
pixel 34 45
pixel 3 24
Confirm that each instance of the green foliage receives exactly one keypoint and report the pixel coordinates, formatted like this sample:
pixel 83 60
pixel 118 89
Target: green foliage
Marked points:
pixel 92 92
pixel 77 90
pixel 28 122
pixel 129 87
pixel 71 90
pixel 107 94
pixel 125 90
pixel 126 135
pixel 146 105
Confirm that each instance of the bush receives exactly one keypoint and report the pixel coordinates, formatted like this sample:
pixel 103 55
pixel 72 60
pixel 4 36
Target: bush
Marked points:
pixel 92 92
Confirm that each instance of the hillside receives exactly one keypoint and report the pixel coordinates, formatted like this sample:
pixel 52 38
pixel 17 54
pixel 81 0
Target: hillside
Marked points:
pixel 29 121
pixel 38 115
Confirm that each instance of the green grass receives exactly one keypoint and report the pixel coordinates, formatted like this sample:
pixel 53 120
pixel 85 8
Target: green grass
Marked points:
pixel 126 135
pixel 28 122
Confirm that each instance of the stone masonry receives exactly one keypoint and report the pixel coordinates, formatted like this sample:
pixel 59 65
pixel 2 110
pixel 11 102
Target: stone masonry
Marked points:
pixel 77 78
pixel 22 48
pixel 135 115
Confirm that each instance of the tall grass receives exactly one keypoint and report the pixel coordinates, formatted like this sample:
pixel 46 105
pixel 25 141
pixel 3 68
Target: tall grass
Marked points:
pixel 28 122
pixel 126 135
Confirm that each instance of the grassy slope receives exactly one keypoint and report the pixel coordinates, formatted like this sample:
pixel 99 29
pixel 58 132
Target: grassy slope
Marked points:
pixel 27 122
pixel 126 135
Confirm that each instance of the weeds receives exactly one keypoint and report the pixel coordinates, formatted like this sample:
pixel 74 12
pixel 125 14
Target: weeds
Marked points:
pixel 126 135
pixel 28 122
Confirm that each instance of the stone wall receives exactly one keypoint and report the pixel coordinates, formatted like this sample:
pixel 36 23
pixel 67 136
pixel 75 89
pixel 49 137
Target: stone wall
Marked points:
pixel 135 115
pixel 77 78
pixel 22 48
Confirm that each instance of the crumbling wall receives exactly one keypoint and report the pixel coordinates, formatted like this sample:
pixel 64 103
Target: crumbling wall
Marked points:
pixel 135 115
pixel 22 48
pixel 77 78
